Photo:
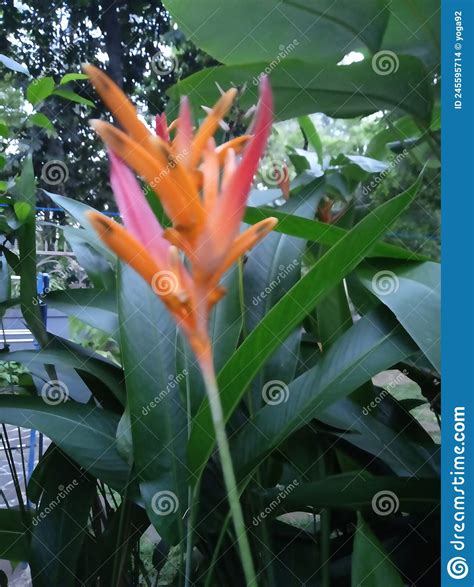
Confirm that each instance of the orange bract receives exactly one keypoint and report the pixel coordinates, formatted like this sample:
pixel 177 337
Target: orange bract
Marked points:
pixel 203 190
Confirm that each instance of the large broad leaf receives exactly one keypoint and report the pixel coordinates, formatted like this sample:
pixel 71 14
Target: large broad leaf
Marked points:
pixel 371 566
pixel 303 88
pixel 95 307
pixel 325 234
pixel 85 433
pixel 249 358
pixel 59 525
pixel 373 344
pixel 14 535
pixel 271 270
pixel 74 356
pixel 157 412
pixel 394 445
pixel 414 29
pixel 354 491
pixel 413 293
pixel 244 31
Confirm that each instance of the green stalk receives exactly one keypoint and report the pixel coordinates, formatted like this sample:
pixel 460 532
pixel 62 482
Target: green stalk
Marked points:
pixel 229 475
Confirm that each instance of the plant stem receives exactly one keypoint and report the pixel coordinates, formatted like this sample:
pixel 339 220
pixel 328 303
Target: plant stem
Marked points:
pixel 228 471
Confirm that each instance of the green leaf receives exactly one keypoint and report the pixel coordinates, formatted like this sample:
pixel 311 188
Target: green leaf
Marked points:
pixel 22 210
pixel 41 120
pixel 371 566
pixel 271 270
pixel 354 491
pixel 4 130
pixel 64 352
pixel 39 89
pixel 413 293
pixel 13 65
pixel 312 135
pixel 60 523
pixel 301 88
pixel 414 28
pixel 157 412
pixel 25 193
pixel 320 232
pixel 78 211
pixel 271 30
pixel 70 77
pixel 373 344
pixel 95 307
pixel 14 538
pixel 85 433
pixel 238 373
pixel 73 97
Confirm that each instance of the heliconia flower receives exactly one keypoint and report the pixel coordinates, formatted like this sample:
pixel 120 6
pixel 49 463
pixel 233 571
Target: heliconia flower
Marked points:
pixel 203 190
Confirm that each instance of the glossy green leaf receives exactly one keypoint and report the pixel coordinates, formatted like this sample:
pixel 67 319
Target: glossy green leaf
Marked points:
pixel 271 30
pixel 60 522
pixel 85 433
pixel 41 120
pixel 325 234
pixel 271 270
pixel 249 358
pixel 157 412
pixel 413 293
pixel 414 28
pixel 70 77
pixel 373 344
pixel 39 89
pixel 355 491
pixel 301 88
pixel 73 97
pixel 14 537
pixel 62 352
pixel 95 307
pixel 371 565
pixel 314 140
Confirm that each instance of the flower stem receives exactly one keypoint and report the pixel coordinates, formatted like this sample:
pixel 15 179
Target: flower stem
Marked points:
pixel 228 471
